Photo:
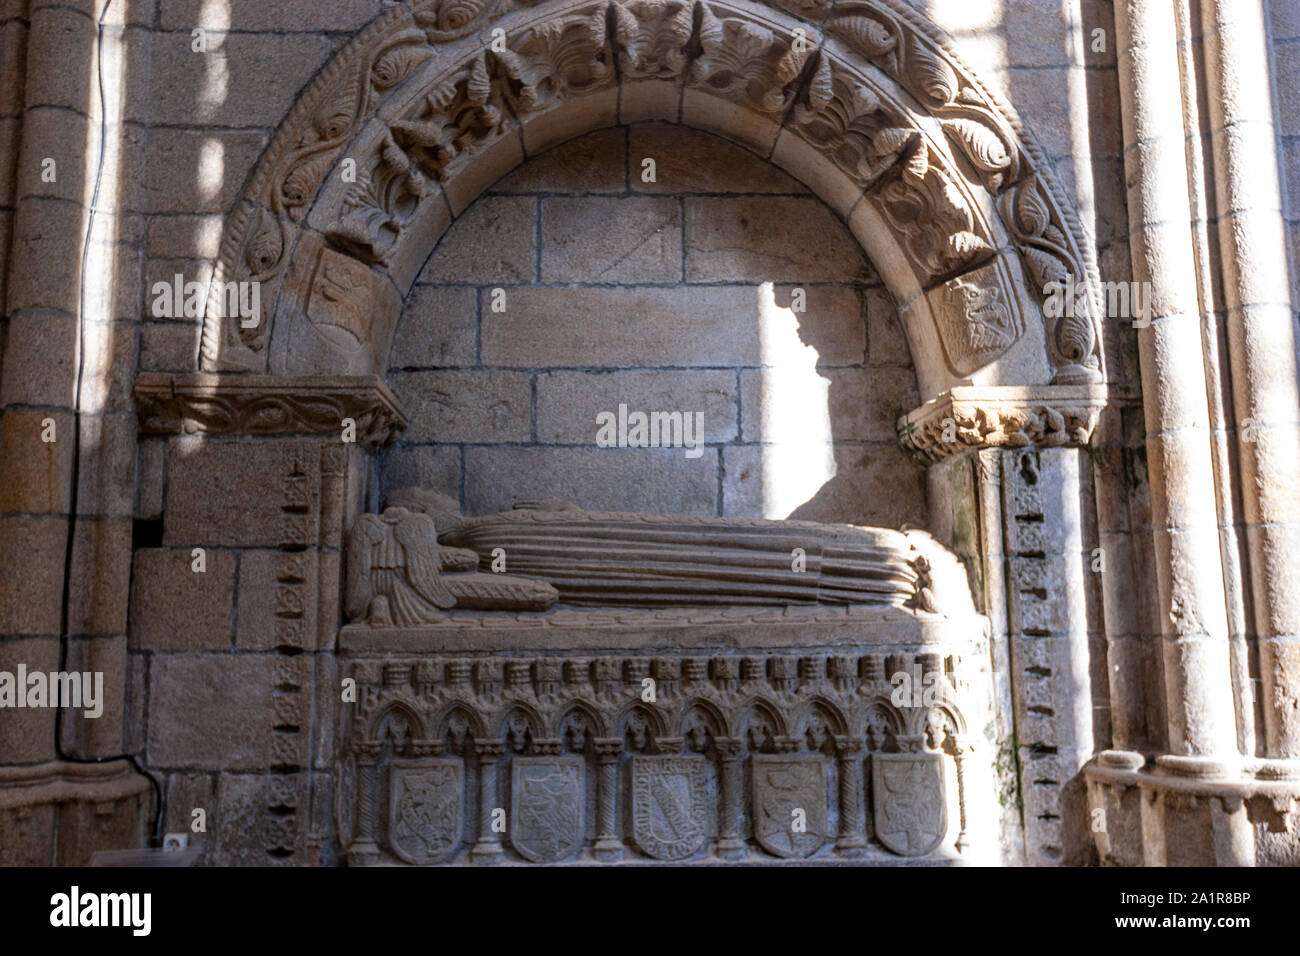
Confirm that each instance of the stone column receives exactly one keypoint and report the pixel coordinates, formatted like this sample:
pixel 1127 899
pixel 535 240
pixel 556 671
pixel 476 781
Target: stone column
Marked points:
pixel 961 751
pixel 1261 347
pixel 48 813
pixel 365 848
pixel 730 845
pixel 608 847
pixel 488 848
pixel 851 841
pixel 1200 711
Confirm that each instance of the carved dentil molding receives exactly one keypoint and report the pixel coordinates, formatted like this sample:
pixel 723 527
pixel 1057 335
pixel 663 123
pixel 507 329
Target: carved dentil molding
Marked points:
pixel 871 87
pixel 1003 417
pixel 206 404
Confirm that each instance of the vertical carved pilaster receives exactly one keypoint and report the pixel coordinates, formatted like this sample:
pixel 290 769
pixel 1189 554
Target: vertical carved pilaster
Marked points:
pixel 851 841
pixel 488 847
pixel 364 850
pixel 608 848
pixel 730 845
pixel 962 748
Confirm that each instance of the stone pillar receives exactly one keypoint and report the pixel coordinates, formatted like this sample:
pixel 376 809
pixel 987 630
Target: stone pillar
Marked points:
pixel 608 847
pixel 47 813
pixel 488 847
pixel 1200 711
pixel 852 840
pixel 730 845
pixel 365 848
pixel 1261 348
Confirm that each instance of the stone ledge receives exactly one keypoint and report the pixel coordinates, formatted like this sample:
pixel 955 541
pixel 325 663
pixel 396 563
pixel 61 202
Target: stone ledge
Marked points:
pixel 61 782
pixel 655 631
pixel 242 404
pixel 967 417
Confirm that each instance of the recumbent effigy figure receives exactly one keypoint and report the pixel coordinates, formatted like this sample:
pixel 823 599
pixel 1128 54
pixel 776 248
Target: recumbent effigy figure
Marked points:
pixel 421 557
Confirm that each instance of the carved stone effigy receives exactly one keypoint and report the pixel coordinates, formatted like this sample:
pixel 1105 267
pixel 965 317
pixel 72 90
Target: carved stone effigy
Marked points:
pixel 761 724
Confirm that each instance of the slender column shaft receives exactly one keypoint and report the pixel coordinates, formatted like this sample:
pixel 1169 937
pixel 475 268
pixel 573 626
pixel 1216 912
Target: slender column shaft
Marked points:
pixel 1261 346
pixel 1190 582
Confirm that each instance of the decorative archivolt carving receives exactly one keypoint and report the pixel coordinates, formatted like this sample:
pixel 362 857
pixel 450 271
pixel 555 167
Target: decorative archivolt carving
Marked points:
pixel 652 36
pixel 924 185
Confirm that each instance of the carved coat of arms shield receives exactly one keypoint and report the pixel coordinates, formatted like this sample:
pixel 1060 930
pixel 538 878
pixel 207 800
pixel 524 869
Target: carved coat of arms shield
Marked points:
pixel 790 803
pixel 426 808
pixel 909 801
pixel 547 803
pixel 669 806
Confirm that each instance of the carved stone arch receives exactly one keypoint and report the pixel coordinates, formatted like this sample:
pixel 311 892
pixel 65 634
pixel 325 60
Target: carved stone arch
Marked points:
pixel 656 725
pixel 594 718
pixel 880 710
pixel 869 106
pixel 534 723
pixel 836 724
pixel 712 714
pixel 396 710
pixel 759 710
pixel 464 709
pixel 918 718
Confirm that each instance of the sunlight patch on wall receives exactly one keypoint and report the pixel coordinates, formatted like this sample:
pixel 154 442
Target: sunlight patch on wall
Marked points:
pixel 795 415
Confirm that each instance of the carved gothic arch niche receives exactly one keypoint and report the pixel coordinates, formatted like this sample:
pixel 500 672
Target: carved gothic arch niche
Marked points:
pixel 870 107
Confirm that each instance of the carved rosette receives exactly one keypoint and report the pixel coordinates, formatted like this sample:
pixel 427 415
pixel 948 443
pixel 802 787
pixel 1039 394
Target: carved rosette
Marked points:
pixel 937 189
pixel 1002 417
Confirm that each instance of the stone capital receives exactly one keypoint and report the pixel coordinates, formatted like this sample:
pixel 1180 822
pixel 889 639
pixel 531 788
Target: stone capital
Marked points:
pixel 969 417
pixel 245 404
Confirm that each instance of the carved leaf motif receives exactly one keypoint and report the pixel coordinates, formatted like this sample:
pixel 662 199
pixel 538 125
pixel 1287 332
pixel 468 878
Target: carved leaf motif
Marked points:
pixel 455 14
pixel 301 182
pixel 865 34
pixel 984 147
pixel 265 249
pixel 334 118
pixel 1032 214
pixel 932 73
pixel 396 64
pixel 556 59
pixel 653 35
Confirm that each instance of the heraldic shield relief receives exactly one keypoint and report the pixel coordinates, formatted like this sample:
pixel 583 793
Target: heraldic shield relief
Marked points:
pixel 426 808
pixel 909 800
pixel 790 803
pixel 546 823
pixel 669 806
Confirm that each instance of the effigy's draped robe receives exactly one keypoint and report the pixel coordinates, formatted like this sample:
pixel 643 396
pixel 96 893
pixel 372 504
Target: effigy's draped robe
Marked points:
pixel 615 558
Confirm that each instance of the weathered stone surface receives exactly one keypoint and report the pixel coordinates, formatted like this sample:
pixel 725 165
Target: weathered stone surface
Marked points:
pixel 595 239
pixel 438 328
pixel 689 161
pixel 31 573
pixel 466 406
pixel 211 711
pixel 176 608
pixel 615 479
pixel 730 239
pixel 228 493
pixel 568 403
pixel 494 242
pixel 267 582
pixel 618 327
pixel 595 163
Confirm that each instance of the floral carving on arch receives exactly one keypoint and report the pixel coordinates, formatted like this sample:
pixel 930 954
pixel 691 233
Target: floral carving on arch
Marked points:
pixel 866 103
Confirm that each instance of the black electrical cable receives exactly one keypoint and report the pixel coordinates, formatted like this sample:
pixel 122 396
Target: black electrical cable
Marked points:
pixel 155 838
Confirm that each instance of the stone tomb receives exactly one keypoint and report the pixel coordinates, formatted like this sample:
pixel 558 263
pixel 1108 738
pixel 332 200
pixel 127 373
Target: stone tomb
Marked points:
pixel 702 735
